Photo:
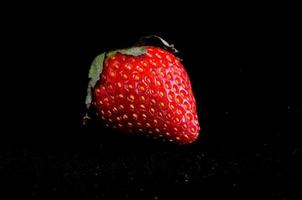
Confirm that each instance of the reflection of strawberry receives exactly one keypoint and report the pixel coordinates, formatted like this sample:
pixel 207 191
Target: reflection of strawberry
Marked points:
pixel 144 90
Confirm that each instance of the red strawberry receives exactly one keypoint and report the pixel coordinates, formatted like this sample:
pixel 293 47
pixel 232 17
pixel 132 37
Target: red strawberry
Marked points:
pixel 144 90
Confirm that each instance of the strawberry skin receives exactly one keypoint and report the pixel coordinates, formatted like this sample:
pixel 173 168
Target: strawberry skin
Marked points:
pixel 147 94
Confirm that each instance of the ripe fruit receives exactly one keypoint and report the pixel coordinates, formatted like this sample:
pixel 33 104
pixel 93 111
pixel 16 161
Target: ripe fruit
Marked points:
pixel 144 90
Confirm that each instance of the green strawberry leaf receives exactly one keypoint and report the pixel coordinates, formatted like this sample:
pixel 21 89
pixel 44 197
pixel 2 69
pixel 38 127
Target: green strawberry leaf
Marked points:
pixel 133 51
pixel 94 75
pixel 95 71
pixel 96 68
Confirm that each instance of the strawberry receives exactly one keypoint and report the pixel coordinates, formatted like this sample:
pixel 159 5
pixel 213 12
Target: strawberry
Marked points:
pixel 144 90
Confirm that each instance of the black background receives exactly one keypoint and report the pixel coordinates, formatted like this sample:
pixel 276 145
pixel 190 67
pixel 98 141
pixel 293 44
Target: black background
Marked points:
pixel 244 73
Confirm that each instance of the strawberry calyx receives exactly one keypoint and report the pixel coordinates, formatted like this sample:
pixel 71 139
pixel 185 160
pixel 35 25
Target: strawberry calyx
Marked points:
pixel 132 51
